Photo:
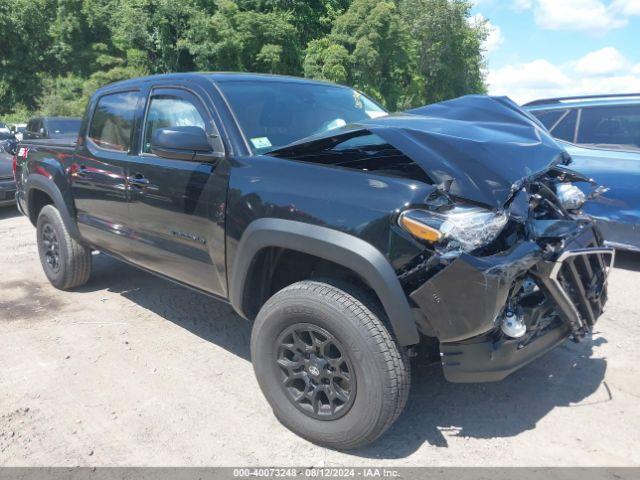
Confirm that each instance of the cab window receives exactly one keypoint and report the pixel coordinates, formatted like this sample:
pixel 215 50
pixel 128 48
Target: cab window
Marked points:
pixel 168 110
pixel 112 121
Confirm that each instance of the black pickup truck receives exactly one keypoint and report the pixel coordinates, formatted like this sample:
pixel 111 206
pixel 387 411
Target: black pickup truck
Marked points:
pixel 351 238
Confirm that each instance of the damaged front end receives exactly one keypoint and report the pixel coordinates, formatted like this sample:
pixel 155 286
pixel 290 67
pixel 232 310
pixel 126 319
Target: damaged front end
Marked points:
pixel 499 303
pixel 509 267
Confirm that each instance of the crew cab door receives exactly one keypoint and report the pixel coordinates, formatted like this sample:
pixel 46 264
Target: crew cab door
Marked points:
pixel 98 172
pixel 177 205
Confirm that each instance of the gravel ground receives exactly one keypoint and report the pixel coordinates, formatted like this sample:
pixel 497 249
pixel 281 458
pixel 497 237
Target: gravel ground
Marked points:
pixel 133 370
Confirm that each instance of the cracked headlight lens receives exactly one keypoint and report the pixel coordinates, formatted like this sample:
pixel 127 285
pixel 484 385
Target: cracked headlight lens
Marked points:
pixel 462 227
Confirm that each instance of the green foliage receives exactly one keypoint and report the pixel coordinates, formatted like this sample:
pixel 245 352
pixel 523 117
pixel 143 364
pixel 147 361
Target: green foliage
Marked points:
pixel 450 58
pixel 23 46
pixel 244 40
pixel 54 53
pixel 403 53
pixel 370 48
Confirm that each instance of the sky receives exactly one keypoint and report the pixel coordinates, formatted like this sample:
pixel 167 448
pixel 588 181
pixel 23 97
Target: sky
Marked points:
pixel 550 48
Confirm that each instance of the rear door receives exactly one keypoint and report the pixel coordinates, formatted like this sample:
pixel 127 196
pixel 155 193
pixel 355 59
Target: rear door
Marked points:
pixel 177 206
pixel 98 172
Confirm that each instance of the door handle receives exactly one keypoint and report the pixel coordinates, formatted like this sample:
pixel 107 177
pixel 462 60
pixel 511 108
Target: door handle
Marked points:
pixel 138 180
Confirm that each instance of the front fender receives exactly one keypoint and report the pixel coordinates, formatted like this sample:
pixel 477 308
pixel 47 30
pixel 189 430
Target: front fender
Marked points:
pixel 332 245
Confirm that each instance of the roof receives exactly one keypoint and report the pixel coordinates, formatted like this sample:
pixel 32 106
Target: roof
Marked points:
pixel 217 77
pixel 585 101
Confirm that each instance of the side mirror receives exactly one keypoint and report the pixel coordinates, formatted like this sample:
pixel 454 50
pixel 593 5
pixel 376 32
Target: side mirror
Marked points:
pixel 183 143
pixel 42 131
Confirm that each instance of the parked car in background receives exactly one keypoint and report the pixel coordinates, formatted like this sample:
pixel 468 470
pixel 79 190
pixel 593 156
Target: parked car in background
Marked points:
pixel 609 121
pixel 4 128
pixel 18 130
pixel 616 211
pixel 347 235
pixel 7 183
pixel 52 127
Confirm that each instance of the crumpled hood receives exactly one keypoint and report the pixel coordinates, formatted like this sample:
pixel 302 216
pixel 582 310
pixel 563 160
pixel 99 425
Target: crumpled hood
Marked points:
pixel 479 148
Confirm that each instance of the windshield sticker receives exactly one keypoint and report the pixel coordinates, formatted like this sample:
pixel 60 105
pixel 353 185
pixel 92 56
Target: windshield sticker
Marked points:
pixel 261 142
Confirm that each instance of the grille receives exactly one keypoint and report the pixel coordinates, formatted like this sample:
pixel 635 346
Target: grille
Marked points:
pixel 582 275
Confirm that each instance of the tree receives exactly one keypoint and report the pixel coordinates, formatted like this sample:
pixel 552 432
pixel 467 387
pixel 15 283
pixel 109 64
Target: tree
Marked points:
pixel 311 18
pixel 54 53
pixel 23 47
pixel 70 39
pixel 370 48
pixel 234 39
pixel 450 56
pixel 152 33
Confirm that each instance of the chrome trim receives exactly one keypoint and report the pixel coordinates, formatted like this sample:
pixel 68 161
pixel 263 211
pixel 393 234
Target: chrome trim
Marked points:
pixel 555 271
pixel 623 246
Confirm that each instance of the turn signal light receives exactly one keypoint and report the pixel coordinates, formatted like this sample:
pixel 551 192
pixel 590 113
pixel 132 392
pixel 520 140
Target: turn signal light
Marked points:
pixel 420 230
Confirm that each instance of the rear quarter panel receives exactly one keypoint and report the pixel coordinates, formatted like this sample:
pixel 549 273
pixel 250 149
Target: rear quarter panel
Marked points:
pixel 48 161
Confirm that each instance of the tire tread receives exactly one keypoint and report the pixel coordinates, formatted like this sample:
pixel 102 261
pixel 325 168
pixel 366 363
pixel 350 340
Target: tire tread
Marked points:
pixel 77 260
pixel 366 308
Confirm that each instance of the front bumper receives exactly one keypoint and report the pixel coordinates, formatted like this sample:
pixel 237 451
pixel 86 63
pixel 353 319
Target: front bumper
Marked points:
pixel 464 303
pixel 7 192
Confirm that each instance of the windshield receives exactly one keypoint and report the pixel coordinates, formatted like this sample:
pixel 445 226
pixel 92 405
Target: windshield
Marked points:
pixel 63 127
pixel 273 114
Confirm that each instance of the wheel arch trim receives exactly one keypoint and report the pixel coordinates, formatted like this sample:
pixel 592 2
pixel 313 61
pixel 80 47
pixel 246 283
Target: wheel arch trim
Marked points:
pixel 40 182
pixel 332 245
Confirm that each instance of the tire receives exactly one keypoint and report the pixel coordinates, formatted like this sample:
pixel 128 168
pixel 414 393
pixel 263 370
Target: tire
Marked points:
pixel 72 268
pixel 378 388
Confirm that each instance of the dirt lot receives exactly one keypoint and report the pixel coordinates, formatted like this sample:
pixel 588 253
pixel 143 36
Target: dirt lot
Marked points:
pixel 133 370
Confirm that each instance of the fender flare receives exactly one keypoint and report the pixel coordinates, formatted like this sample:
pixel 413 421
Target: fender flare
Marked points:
pixel 40 182
pixel 332 245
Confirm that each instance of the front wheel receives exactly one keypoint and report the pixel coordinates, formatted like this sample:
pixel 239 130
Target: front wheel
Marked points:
pixel 328 365
pixel 66 263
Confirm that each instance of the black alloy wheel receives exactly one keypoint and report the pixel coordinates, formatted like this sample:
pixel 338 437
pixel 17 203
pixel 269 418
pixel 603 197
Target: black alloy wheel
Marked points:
pixel 327 364
pixel 66 263
pixel 51 248
pixel 317 375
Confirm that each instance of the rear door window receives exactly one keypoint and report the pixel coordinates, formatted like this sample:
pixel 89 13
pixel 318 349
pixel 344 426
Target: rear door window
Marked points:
pixel 112 122
pixel 566 129
pixel 549 118
pixel 618 126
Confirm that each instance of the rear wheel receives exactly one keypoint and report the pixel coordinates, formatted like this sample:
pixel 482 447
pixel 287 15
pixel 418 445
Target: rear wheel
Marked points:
pixel 66 263
pixel 328 365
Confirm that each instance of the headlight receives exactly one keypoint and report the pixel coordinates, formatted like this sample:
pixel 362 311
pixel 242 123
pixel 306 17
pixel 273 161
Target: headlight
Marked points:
pixel 466 228
pixel 570 196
